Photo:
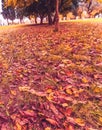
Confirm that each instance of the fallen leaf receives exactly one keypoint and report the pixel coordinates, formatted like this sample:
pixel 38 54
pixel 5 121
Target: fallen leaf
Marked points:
pixel 68 111
pixel 24 88
pixel 69 91
pixel 55 111
pixel 47 128
pixel 49 91
pixel 69 127
pixel 80 122
pixel 13 92
pixel 65 104
pixel 100 119
pixel 84 80
pixel 18 126
pixel 29 113
pixel 53 122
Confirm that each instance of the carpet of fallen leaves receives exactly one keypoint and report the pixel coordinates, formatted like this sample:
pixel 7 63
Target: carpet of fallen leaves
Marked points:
pixel 49 80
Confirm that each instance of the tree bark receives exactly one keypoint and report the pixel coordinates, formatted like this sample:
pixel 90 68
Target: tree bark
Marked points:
pixel 41 20
pixel 35 19
pixel 57 16
pixel 50 19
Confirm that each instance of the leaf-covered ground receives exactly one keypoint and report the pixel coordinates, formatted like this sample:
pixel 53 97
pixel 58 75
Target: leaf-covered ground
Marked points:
pixel 49 80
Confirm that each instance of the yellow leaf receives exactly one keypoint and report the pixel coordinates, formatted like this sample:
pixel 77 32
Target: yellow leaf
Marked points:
pixel 65 105
pixel 50 97
pixel 69 91
pixel 47 128
pixel 24 88
pixel 81 90
pixel 80 122
pixel 97 90
pixel 84 80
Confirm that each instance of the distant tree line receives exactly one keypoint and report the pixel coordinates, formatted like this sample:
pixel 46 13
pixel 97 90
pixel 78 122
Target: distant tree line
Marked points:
pixel 47 8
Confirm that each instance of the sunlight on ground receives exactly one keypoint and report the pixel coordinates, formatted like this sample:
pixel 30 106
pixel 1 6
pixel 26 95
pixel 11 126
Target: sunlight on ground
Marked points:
pixel 78 20
pixel 85 20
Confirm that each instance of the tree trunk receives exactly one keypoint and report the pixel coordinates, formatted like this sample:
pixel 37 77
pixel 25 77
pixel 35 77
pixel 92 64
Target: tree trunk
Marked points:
pixel 57 16
pixel 90 3
pixel 41 20
pixel 49 19
pixel 35 17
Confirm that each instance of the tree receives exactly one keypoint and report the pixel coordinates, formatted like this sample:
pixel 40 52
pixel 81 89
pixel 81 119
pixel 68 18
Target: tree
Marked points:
pixel 9 13
pixel 57 16
pixel 32 9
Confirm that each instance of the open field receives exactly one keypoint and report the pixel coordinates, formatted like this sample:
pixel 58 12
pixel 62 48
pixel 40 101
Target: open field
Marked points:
pixel 49 80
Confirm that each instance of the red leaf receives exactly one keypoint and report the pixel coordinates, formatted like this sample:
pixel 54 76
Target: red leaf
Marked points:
pixel 55 111
pixel 68 111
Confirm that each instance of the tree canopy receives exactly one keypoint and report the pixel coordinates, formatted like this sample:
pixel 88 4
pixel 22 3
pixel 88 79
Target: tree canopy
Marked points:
pixel 47 8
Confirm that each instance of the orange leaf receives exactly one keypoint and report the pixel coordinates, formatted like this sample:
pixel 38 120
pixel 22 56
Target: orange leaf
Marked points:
pixel 1 103
pixel 70 127
pixel 49 90
pixel 13 92
pixel 47 128
pixel 80 122
pixel 84 80
pixel 18 126
pixel 29 113
pixel 100 119
pixel 68 91
pixel 51 121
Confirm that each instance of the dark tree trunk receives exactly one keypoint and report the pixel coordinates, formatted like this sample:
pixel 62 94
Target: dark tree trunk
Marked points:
pixel 41 20
pixel 35 19
pixel 50 19
pixel 57 16
pixel 54 19
pixel 90 3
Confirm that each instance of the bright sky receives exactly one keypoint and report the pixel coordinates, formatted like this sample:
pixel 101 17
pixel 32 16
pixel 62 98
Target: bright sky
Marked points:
pixel 0 6
pixel 1 17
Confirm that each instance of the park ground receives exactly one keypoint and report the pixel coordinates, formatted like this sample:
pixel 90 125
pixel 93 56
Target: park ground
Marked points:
pixel 51 80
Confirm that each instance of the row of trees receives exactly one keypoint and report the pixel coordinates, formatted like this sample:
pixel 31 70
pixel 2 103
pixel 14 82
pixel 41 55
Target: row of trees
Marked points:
pixel 45 8
pixel 36 8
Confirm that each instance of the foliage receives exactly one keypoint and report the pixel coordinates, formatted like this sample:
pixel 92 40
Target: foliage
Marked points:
pixel 9 13
pixel 51 81
pixel 67 5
